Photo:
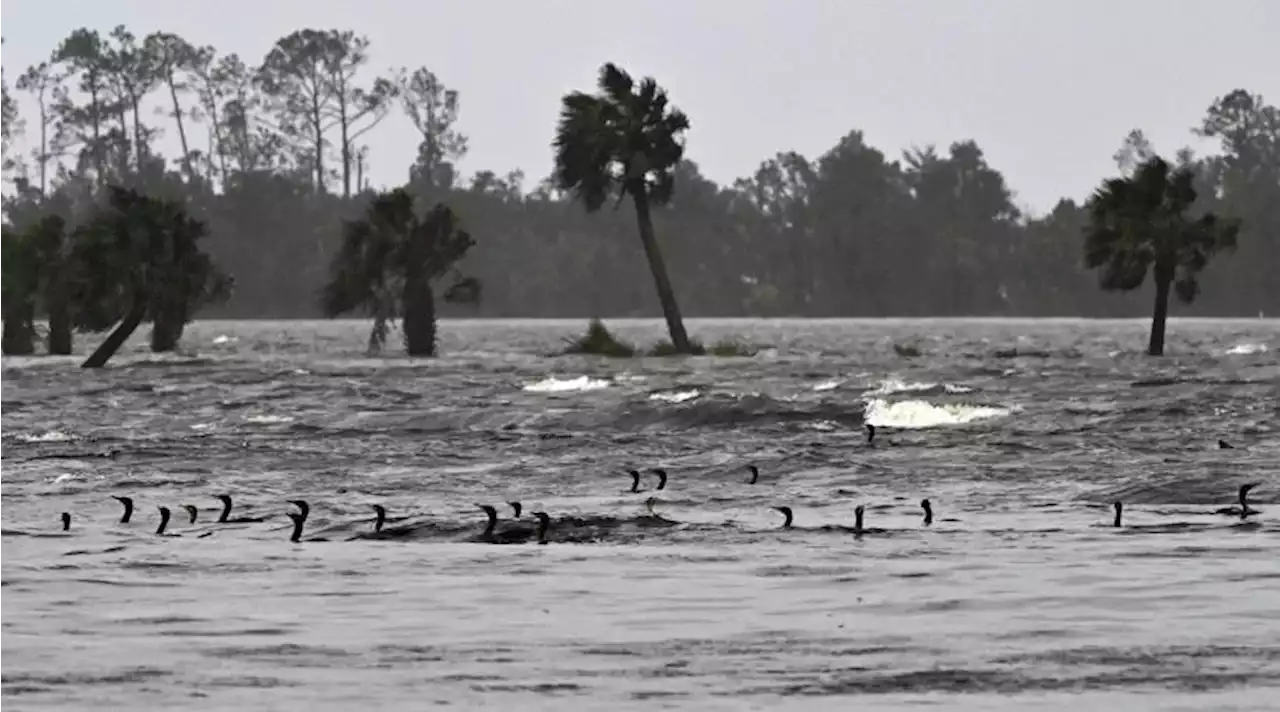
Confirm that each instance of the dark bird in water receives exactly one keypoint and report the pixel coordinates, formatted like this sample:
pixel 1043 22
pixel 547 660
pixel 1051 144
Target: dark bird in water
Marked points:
pixel 662 477
pixel 224 518
pixel 164 522
pixel 656 518
pixel 928 511
pixel 128 507
pixel 192 513
pixel 871 432
pixel 544 523
pixel 858 528
pixel 303 508
pixel 787 517
pixel 299 519
pixel 635 480
pixel 1119 507
pixel 1224 445
pixel 509 535
pixel 66 521
pixel 516 507
pixel 755 474
pixel 380 530
pixel 1244 510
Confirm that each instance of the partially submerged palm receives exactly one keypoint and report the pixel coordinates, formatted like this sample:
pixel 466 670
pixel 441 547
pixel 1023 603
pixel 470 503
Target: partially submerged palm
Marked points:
pixel 1141 223
pixel 388 264
pixel 624 141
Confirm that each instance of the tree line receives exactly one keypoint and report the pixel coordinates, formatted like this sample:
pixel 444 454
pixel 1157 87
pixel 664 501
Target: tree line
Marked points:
pixel 276 177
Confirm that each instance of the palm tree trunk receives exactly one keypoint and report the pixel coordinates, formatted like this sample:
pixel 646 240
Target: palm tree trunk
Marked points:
pixel 419 318
pixel 166 332
pixel 117 338
pixel 59 329
pixel 19 329
pixel 670 310
pixel 1155 347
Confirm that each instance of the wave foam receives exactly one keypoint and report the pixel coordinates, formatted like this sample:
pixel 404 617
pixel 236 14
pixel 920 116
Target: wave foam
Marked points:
pixel 675 396
pixel 566 385
pixel 1246 349
pixel 52 436
pixel 890 386
pixel 922 414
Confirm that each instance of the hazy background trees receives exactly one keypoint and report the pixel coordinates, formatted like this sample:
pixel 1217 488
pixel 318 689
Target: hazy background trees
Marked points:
pixel 273 162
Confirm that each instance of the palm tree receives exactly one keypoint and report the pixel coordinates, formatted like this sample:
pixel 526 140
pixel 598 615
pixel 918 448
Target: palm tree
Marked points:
pixel 625 140
pixel 138 258
pixel 1141 222
pixel 389 264
pixel 19 286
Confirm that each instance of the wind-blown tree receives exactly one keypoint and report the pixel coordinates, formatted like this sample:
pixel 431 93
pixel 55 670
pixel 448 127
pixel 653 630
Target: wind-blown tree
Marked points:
pixel 18 287
pixel 36 268
pixel 622 141
pixel 389 265
pixel 140 257
pixel 1142 222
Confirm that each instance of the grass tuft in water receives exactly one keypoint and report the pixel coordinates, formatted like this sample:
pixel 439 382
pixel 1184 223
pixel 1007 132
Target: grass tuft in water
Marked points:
pixel 599 341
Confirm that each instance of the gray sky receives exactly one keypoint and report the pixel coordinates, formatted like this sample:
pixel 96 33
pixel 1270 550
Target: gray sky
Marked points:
pixel 1048 88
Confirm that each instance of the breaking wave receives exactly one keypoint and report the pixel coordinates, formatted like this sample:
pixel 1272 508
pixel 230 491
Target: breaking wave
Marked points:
pixel 566 385
pixel 1246 349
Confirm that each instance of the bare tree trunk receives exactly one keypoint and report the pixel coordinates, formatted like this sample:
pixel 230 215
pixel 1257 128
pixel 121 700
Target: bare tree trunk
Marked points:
pixel 182 132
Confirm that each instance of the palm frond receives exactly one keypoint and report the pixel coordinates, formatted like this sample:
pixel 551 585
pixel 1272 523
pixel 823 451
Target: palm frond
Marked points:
pixel 623 139
pixel 1140 223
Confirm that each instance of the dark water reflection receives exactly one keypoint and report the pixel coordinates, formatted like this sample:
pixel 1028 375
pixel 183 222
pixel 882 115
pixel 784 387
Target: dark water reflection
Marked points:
pixel 1019 596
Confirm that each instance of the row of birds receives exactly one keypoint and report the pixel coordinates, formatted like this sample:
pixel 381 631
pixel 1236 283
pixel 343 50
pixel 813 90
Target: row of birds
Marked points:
pixel 490 534
pixel 518 532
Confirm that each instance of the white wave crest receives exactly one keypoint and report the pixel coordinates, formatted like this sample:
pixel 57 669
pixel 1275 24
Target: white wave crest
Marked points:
pixel 921 414
pixel 52 436
pixel 1246 349
pixel 269 419
pixel 566 385
pixel 890 386
pixel 676 396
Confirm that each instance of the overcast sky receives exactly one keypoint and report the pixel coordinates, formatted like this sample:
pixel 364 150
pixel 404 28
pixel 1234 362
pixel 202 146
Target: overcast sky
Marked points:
pixel 1048 88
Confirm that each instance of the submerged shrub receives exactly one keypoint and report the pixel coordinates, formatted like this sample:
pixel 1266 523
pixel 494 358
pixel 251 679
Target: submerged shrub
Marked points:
pixel 723 347
pixel 598 341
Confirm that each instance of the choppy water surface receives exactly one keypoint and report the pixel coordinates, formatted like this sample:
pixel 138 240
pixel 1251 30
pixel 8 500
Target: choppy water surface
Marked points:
pixel 1019 596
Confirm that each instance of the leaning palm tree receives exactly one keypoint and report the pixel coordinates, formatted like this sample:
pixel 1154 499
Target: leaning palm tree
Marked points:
pixel 139 257
pixel 1141 222
pixel 623 141
pixel 389 264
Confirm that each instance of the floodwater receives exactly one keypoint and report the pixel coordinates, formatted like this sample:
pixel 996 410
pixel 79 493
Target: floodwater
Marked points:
pixel 1020 595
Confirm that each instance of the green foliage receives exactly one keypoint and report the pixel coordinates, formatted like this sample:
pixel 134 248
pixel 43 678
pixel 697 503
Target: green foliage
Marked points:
pixel 831 234
pixel 625 140
pixel 725 348
pixel 390 261
pixel 599 341
pixel 1142 223
pixel 622 141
